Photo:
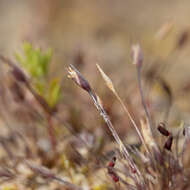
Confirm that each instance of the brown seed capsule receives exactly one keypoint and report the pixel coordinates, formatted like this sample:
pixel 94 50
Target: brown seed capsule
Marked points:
pixel 162 130
pixel 112 162
pixel 133 170
pixel 113 175
pixel 184 132
pixel 168 143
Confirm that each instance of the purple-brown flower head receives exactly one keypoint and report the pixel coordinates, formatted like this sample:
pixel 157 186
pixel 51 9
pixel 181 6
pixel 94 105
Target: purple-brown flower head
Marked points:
pixel 76 76
pixel 168 144
pixel 161 128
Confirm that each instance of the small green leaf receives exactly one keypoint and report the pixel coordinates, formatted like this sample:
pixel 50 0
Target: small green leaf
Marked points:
pixel 54 92
pixel 34 60
pixel 40 87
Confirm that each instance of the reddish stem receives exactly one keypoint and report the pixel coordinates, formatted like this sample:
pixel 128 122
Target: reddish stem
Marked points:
pixel 51 132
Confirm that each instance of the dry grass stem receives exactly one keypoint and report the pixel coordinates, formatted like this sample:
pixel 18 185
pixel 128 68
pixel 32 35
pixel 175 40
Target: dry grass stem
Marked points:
pixel 75 75
pixel 111 87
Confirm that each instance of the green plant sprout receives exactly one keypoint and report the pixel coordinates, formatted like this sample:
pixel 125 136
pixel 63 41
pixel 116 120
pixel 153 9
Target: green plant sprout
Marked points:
pixel 36 63
pixel 46 91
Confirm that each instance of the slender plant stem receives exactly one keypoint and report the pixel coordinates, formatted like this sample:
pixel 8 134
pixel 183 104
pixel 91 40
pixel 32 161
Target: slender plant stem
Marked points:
pixel 111 87
pixel 45 172
pixel 142 97
pixel 47 110
pixel 51 132
pixel 133 122
pixel 114 133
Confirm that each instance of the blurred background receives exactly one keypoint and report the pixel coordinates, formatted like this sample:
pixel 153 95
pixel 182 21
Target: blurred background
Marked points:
pixel 84 33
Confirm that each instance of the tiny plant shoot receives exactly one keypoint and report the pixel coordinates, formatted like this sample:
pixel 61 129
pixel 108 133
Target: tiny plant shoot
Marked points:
pixel 46 90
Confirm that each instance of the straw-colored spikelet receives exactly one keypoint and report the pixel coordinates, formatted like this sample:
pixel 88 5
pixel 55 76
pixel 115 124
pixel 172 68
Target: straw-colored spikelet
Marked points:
pixel 137 55
pixel 147 134
pixel 106 79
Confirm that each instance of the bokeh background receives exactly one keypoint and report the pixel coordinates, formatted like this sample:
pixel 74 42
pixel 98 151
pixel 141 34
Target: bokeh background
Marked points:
pixel 86 32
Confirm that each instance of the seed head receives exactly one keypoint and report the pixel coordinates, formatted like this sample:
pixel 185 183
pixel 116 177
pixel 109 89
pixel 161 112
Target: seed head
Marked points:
pixel 168 143
pixel 77 77
pixel 106 79
pixel 161 128
pixel 137 55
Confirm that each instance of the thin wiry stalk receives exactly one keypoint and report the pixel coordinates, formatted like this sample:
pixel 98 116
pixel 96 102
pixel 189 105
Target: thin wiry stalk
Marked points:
pixel 21 77
pixel 132 121
pixel 187 141
pixel 137 56
pixel 183 149
pixel 142 97
pixel 111 87
pixel 43 171
pixel 6 60
pixel 41 101
pixel 106 118
pixel 77 77
pixel 177 145
pixel 66 183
